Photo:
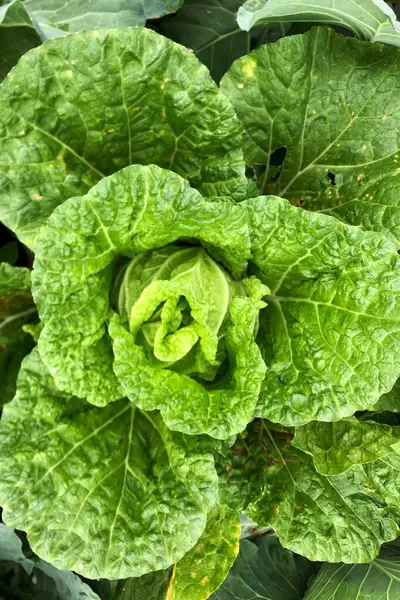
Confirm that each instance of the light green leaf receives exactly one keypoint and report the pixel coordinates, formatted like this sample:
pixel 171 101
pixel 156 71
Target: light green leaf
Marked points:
pixel 371 20
pixel 203 569
pixel 266 571
pixel 78 251
pixel 103 492
pixel 27 576
pixel 335 447
pixel 342 518
pixel 54 18
pixel 379 580
pixel 211 30
pixel 220 406
pixel 330 335
pixel 17 35
pixel 343 151
pixel 16 309
pixel 111 99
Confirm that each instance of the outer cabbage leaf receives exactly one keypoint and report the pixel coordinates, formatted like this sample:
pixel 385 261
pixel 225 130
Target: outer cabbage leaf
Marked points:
pixel 211 30
pixel 203 569
pixel 16 309
pixel 266 571
pixel 18 35
pixel 85 106
pixel 332 102
pixel 75 257
pixel 54 18
pixel 377 581
pixel 330 335
pixel 335 447
pixel 100 491
pixel 199 572
pixel 371 20
pixel 25 577
pixel 342 518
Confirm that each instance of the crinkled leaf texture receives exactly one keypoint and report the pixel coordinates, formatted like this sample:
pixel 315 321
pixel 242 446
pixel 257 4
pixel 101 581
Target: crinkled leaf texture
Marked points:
pixel 54 18
pixel 84 106
pixel 75 259
pixel 371 20
pixel 30 577
pixel 333 103
pixel 330 335
pixel 335 447
pixel 266 571
pixel 379 580
pixel 16 310
pixel 340 518
pixel 105 492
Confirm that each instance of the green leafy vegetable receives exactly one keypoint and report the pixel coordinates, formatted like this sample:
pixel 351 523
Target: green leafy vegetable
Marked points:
pixel 211 30
pixel 54 18
pixel 103 492
pixel 204 568
pixel 331 103
pixel 371 20
pixel 16 309
pixel 25 576
pixel 336 447
pixel 378 580
pixel 111 99
pixel 330 334
pixel 208 321
pixel 266 571
pixel 342 518
pixel 17 35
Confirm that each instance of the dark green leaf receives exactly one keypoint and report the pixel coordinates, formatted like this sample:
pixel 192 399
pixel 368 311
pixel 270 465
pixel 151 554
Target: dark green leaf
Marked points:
pixel 211 30
pixel 16 309
pixel 264 570
pixel 17 35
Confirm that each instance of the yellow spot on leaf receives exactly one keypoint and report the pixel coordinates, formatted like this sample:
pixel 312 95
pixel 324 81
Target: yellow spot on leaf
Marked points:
pixel 199 547
pixel 249 66
pixel 240 86
pixel 193 574
pixel 360 176
pixel 205 580
pixel 37 197
pixel 69 73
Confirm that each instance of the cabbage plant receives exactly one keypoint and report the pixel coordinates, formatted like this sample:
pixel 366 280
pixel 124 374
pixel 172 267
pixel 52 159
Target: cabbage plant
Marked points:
pixel 214 307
